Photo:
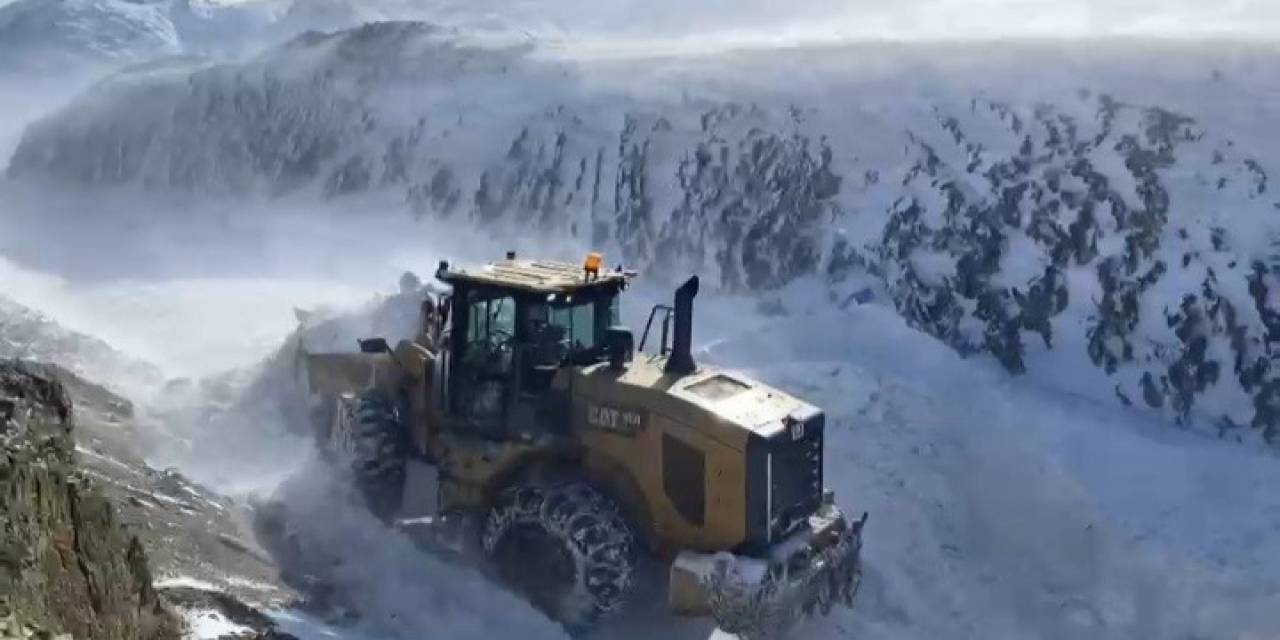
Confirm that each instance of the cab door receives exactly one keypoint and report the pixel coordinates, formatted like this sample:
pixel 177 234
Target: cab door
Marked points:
pixel 482 360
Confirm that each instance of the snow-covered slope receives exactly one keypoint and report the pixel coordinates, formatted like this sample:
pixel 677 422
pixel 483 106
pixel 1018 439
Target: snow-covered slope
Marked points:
pixel 1132 235
pixel 1086 204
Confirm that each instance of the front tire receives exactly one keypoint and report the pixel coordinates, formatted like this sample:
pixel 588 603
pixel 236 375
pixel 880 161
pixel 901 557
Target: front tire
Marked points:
pixel 565 547
pixel 369 438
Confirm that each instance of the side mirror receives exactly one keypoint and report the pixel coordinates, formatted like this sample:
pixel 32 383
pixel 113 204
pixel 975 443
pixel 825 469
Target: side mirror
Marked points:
pixel 374 345
pixel 619 346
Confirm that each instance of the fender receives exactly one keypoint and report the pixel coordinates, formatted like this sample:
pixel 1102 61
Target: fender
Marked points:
pixel 616 481
pixel 530 466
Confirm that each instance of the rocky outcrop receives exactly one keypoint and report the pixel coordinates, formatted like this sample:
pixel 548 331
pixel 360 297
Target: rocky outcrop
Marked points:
pixel 66 564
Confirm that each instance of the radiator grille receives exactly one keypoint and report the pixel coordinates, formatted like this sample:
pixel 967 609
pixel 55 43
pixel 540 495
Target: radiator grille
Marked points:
pixel 795 475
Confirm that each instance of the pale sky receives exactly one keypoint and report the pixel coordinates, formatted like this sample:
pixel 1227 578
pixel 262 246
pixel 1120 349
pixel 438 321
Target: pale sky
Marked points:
pixel 827 19
pixel 916 18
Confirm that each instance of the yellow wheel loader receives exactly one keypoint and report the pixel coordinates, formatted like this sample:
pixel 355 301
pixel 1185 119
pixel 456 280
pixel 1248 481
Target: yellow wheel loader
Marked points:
pixel 574 453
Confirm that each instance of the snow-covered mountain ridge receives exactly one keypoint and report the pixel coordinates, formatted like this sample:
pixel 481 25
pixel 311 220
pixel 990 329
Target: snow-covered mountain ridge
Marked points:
pixel 50 33
pixel 1115 240
pixel 62 36
pixel 27 334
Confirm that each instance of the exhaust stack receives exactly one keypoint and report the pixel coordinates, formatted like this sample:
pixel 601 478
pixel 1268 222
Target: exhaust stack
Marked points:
pixel 681 360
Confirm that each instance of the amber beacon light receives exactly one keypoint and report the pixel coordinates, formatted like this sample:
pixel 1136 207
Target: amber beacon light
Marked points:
pixel 592 264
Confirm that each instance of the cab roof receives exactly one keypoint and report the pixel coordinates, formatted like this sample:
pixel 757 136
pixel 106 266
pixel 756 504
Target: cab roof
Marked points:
pixel 534 276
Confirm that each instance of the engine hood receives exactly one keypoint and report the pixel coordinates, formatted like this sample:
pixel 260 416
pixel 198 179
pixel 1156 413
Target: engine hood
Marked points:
pixel 743 401
pixel 727 403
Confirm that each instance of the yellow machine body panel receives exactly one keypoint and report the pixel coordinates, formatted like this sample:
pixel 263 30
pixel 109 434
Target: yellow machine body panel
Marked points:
pixel 470 466
pixel 643 434
pixel 681 439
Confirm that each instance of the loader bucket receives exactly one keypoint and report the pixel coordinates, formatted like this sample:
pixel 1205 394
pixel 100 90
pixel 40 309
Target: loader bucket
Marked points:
pixel 333 374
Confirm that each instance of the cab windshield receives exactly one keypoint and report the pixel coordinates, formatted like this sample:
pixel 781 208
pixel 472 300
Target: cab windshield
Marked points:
pixel 569 330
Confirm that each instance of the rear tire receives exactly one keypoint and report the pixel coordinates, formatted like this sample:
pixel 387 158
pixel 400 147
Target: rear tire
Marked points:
pixel 564 547
pixel 369 438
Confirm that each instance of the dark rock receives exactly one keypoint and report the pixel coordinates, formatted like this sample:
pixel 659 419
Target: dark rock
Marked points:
pixel 66 563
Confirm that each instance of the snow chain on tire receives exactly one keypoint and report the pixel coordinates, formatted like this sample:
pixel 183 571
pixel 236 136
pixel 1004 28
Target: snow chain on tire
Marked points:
pixel 591 528
pixel 371 440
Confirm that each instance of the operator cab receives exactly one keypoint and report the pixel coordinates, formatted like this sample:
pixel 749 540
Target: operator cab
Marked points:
pixel 514 325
